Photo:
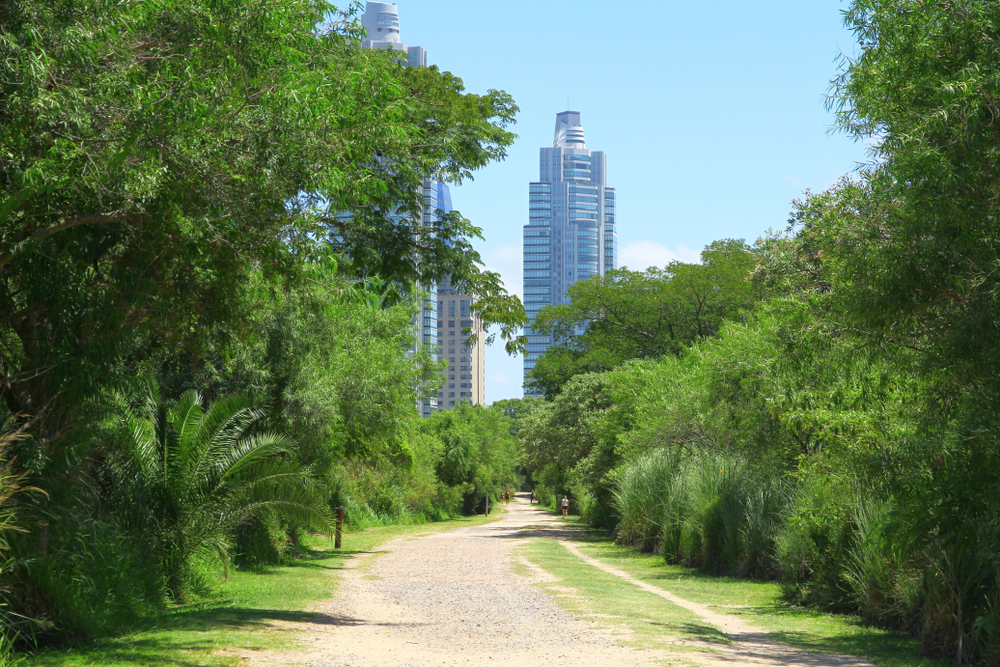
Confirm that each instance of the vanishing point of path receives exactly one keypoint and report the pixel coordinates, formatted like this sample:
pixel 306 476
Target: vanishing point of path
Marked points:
pixel 451 599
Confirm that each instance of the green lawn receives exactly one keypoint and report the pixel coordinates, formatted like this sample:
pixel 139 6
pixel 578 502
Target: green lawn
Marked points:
pixel 239 615
pixel 636 618
pixel 758 602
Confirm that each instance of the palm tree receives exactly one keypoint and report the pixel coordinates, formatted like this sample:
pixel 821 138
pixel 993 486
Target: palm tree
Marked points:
pixel 194 475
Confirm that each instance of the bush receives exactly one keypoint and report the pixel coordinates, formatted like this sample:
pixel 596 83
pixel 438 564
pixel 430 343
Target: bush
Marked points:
pixel 642 497
pixel 94 579
pixel 884 582
pixel 836 552
pixel 812 544
pixel 260 540
pixel 704 510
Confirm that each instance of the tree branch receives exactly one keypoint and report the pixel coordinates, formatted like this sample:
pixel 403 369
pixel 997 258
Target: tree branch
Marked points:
pixel 76 221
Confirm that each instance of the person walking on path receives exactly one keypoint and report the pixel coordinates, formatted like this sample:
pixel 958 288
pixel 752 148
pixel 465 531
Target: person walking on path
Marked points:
pixel 565 506
pixel 531 500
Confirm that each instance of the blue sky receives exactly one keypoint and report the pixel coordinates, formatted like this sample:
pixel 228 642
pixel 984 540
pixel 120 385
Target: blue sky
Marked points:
pixel 711 114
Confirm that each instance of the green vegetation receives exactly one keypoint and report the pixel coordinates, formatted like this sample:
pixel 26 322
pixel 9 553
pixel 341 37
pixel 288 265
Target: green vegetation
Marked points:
pixel 638 315
pixel 650 622
pixel 239 615
pixel 475 450
pixel 656 623
pixel 197 475
pixel 211 245
pixel 212 239
pixel 839 433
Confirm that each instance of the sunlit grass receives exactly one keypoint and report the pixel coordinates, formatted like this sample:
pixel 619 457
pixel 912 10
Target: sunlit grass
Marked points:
pixel 637 618
pixel 757 602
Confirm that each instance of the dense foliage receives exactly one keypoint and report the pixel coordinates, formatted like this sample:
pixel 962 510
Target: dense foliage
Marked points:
pixel 642 314
pixel 156 155
pixel 843 434
pixel 212 238
pixel 212 242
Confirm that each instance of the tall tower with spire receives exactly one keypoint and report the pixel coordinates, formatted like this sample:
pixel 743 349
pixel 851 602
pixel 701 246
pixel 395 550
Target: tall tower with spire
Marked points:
pixel 381 22
pixel 446 312
pixel 571 233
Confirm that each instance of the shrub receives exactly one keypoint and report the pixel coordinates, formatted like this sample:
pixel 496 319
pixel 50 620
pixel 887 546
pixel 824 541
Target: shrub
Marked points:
pixel 260 540
pixel 198 474
pixel 642 497
pixel 705 510
pixel 884 582
pixel 93 577
pixel 812 544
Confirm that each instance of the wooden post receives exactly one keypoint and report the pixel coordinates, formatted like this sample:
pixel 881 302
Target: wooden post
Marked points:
pixel 340 526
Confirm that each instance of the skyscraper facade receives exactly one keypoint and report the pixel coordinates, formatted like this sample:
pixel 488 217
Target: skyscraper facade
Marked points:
pixel 464 376
pixel 571 233
pixel 381 22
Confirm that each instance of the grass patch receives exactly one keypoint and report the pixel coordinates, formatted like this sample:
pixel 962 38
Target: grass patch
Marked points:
pixel 244 612
pixel 757 602
pixel 638 618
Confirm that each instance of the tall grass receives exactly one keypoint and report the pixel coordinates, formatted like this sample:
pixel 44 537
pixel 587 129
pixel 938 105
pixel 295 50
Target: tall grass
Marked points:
pixel 884 582
pixel 643 498
pixel 707 510
pixel 829 542
pixel 12 491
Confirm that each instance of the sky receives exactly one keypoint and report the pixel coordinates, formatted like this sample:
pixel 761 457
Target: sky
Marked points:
pixel 712 116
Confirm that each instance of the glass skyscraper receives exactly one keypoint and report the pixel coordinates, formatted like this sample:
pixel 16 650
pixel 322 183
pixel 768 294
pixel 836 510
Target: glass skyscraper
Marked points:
pixel 571 233
pixel 381 22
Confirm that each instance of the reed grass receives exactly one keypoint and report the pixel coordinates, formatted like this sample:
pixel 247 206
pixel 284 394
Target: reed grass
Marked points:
pixel 705 510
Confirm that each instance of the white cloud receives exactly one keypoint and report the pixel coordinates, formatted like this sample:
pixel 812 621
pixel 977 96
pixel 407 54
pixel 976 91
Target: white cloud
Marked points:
pixel 499 378
pixel 503 374
pixel 791 179
pixel 640 255
pixel 506 260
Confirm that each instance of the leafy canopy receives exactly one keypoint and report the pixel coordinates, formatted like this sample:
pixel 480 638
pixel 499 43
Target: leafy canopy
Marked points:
pixel 642 314
pixel 154 154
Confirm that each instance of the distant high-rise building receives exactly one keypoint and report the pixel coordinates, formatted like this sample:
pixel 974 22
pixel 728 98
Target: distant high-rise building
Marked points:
pixel 571 232
pixel 381 22
pixel 464 378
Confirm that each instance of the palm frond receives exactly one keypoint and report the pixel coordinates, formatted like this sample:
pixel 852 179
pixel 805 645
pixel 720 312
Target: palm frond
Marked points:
pixel 252 450
pixel 208 472
pixel 186 418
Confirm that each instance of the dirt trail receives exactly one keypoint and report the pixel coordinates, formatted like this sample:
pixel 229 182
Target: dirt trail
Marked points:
pixel 451 599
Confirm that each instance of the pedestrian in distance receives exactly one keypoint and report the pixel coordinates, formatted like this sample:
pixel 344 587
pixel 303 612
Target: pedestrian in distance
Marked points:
pixel 565 506
pixel 531 500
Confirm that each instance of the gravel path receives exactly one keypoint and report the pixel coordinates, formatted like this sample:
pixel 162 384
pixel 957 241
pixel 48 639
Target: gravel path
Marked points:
pixel 451 599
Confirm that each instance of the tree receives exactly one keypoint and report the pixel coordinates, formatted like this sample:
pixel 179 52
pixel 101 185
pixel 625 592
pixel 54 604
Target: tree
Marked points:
pixel 903 259
pixel 478 453
pixel 154 155
pixel 515 409
pixel 648 314
pixel 561 444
